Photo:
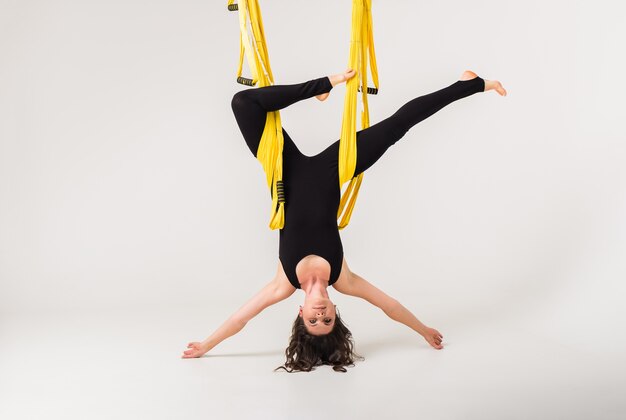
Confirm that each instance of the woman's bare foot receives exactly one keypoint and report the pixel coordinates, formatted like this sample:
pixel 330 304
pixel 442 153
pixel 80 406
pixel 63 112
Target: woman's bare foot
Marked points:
pixel 489 84
pixel 468 75
pixel 494 84
pixel 335 79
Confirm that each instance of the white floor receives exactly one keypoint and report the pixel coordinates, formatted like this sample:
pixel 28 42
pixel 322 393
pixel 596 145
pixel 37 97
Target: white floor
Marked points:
pixel 126 365
pixel 507 233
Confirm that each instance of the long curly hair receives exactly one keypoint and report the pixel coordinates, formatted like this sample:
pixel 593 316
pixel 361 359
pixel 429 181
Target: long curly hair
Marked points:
pixel 306 351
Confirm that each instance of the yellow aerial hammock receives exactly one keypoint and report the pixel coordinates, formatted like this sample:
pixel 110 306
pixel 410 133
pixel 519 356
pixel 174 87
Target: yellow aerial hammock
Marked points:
pixel 270 151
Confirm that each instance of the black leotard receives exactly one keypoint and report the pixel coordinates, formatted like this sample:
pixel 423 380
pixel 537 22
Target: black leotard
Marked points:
pixel 311 183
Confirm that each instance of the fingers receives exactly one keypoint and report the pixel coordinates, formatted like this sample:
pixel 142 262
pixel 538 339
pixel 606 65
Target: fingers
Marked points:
pixel 190 353
pixel 437 344
pixel 194 350
pixel 437 338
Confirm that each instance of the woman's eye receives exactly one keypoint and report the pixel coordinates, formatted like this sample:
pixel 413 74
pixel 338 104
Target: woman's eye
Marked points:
pixel 328 320
pixel 312 321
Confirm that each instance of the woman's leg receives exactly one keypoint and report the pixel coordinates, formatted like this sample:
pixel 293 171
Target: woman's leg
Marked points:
pixel 372 142
pixel 251 106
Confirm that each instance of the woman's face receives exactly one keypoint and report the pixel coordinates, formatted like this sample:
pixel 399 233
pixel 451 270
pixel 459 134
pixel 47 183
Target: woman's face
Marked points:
pixel 318 315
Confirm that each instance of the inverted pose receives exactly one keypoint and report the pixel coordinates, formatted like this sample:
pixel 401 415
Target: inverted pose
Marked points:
pixel 310 250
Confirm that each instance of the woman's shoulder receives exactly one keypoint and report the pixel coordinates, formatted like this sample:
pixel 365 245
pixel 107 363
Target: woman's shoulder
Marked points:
pixel 344 281
pixel 283 285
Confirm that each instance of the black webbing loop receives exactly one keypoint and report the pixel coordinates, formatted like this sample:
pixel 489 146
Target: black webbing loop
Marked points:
pixel 245 81
pixel 280 189
pixel 370 90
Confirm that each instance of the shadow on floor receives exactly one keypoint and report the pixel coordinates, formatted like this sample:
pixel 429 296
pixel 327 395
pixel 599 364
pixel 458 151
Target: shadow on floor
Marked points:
pixel 249 354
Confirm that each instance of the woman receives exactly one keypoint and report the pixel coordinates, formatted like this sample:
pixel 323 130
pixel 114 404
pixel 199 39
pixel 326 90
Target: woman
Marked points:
pixel 310 249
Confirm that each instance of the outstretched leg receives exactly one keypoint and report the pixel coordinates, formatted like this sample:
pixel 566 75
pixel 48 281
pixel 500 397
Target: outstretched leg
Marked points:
pixel 374 141
pixel 251 106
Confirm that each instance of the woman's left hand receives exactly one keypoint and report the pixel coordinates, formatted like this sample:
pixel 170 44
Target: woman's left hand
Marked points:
pixel 196 349
pixel 433 337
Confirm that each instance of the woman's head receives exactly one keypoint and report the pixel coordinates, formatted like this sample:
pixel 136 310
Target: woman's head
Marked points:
pixel 318 315
pixel 307 350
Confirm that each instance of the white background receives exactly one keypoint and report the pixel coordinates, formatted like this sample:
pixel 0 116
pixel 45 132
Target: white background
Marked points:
pixel 133 218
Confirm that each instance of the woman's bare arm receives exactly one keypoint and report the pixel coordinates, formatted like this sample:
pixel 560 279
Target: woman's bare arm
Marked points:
pixel 355 285
pixel 273 292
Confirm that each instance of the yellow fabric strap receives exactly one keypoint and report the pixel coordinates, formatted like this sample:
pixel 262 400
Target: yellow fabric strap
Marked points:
pixel 361 43
pixel 270 151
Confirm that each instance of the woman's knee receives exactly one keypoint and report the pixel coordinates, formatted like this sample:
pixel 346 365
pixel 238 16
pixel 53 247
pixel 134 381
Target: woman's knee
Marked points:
pixel 240 100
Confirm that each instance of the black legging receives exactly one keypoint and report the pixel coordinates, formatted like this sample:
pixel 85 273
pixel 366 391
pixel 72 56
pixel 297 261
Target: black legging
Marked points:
pixel 252 105
pixel 311 183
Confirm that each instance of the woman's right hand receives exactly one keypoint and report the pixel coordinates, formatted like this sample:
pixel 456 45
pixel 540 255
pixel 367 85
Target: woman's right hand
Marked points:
pixel 196 349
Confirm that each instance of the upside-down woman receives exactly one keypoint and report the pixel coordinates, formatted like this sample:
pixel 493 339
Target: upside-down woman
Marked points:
pixel 310 250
